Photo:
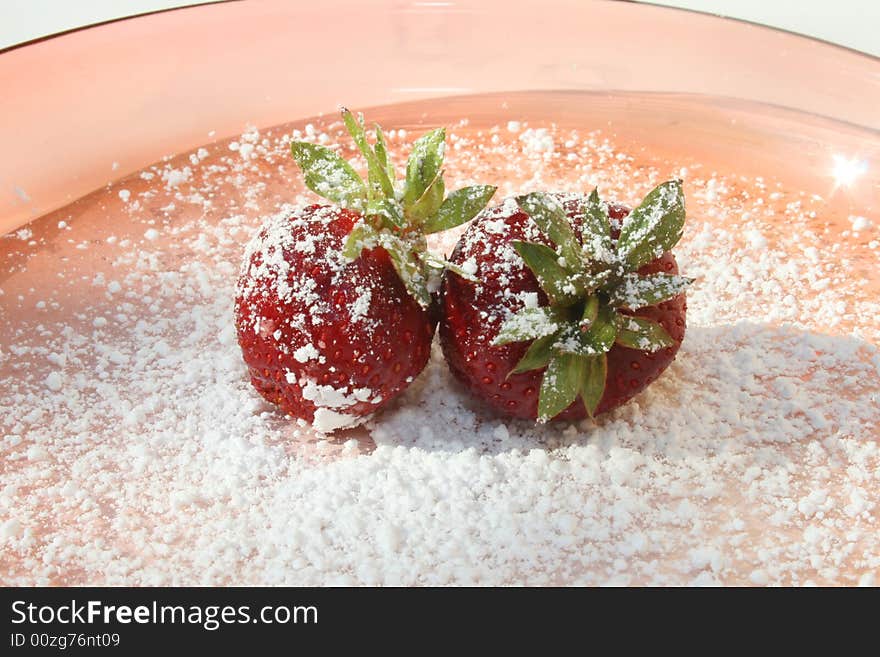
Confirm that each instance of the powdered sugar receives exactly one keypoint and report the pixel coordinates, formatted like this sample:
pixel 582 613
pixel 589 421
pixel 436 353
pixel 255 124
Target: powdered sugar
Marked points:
pixel 860 223
pixel 326 396
pixel 331 402
pixel 328 420
pixel 54 381
pixel 537 141
pixel 306 353
pixel 470 266
pixel 361 306
pixel 136 451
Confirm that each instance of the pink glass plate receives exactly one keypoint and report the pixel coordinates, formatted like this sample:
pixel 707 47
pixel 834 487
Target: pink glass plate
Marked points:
pixel 88 107
pixel 141 155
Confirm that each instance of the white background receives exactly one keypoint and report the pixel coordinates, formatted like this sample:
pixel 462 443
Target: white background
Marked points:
pixel 853 23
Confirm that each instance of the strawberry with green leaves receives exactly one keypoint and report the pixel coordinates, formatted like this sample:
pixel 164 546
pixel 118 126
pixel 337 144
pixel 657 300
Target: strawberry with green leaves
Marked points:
pixel 577 307
pixel 332 304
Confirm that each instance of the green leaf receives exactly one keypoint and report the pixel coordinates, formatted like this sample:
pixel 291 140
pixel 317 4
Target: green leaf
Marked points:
pixel 593 381
pixel 600 336
pixel 430 201
pixel 596 233
pixel 560 385
pixel 529 324
pixel 363 236
pixel 559 285
pixel 424 162
pixel 408 267
pixel 589 283
pixel 642 334
pixel 549 215
pixel 389 210
pixel 376 174
pixel 591 311
pixel 328 175
pixel 436 262
pixel 460 206
pixel 537 355
pixel 384 155
pixel 653 227
pixel 597 339
pixel 634 291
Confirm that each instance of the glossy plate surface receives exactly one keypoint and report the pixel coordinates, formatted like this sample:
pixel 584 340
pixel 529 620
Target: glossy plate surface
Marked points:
pixel 127 93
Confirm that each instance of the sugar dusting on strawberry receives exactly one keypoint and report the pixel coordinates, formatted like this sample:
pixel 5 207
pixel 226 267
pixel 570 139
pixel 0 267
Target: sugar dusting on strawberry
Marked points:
pixel 317 329
pixel 572 318
pixel 332 304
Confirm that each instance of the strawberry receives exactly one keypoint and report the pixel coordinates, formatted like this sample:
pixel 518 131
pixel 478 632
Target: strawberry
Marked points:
pixel 332 304
pixel 579 305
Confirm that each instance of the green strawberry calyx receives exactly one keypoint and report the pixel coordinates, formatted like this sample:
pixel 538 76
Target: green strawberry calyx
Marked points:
pixel 397 214
pixel 593 286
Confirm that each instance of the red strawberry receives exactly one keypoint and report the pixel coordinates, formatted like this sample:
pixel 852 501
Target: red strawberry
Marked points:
pixel 332 303
pixel 578 305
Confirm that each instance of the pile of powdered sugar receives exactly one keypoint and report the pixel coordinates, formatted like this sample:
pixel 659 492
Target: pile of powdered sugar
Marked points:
pixel 136 452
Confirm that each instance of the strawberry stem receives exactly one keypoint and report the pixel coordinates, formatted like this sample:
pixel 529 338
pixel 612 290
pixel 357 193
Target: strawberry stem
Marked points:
pixel 396 222
pixel 591 284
